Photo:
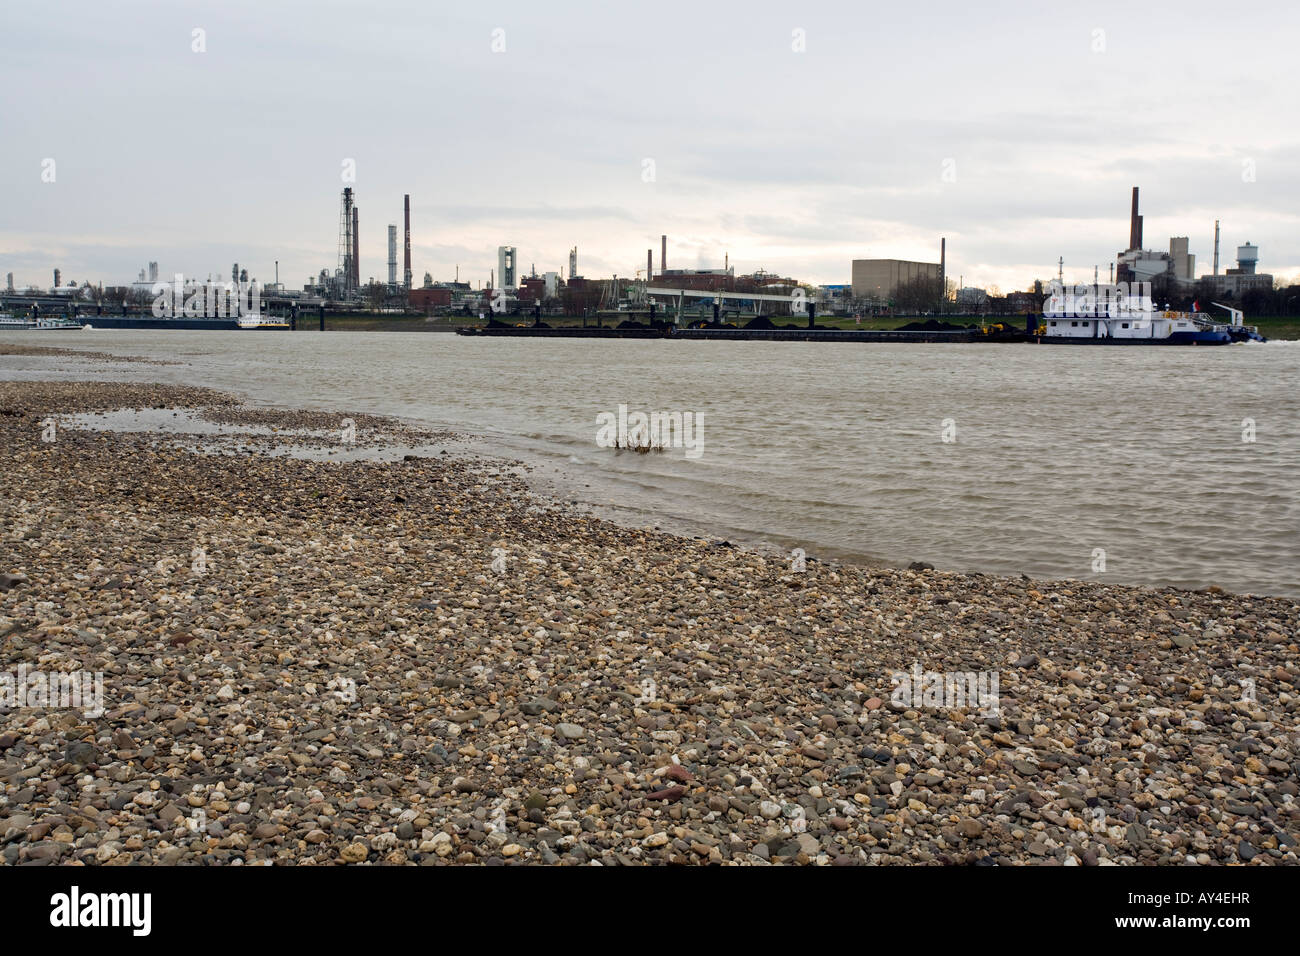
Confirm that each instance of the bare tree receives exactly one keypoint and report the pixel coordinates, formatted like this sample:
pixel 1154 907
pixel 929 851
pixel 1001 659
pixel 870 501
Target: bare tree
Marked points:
pixel 921 294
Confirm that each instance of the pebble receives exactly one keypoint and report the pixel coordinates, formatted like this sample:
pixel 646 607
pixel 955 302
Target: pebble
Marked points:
pixel 405 703
pixel 355 853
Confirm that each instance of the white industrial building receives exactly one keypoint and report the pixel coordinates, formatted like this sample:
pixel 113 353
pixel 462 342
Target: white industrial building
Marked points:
pixel 507 277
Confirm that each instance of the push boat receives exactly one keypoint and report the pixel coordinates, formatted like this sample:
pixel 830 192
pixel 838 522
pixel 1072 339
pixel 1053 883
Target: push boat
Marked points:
pixel 1144 326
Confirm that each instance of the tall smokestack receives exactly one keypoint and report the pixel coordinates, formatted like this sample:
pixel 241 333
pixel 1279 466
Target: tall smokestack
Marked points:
pixel 943 267
pixel 356 249
pixel 663 254
pixel 348 239
pixel 407 266
pixel 1135 224
pixel 1216 247
pixel 392 256
pixel 58 278
pixel 649 264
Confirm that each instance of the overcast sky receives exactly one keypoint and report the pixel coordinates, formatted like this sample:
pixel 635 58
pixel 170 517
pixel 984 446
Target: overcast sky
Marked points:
pixel 1015 129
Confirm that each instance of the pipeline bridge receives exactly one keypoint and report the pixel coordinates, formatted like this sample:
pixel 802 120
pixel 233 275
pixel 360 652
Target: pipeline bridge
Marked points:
pixel 796 301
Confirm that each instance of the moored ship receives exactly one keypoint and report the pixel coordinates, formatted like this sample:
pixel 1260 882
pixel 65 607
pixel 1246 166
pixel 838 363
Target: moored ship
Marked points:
pixel 10 323
pixel 246 322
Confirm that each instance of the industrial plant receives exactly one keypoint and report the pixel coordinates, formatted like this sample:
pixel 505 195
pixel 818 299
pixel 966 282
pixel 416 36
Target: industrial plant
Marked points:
pixel 1174 271
pixel 876 286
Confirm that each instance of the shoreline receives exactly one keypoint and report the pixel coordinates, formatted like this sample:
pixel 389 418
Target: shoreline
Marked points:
pixel 1276 328
pixel 351 676
pixel 545 477
pixel 560 467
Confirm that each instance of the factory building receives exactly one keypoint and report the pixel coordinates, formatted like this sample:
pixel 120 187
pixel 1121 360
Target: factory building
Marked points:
pixel 700 280
pixel 431 298
pixel 833 298
pixel 724 280
pixel 532 290
pixel 1235 283
pixel 144 283
pixel 1175 267
pixel 1146 265
pixel 880 278
pixel 1184 263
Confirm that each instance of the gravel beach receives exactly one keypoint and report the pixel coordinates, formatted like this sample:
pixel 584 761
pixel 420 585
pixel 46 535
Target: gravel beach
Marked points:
pixel 418 661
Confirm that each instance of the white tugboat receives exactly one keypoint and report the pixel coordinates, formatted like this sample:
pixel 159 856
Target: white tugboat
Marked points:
pixel 1097 316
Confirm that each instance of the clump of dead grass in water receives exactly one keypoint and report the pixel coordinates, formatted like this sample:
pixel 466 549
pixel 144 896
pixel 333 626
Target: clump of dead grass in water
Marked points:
pixel 640 444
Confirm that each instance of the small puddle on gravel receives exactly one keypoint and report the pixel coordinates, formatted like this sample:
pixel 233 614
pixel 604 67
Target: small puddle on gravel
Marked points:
pixel 187 430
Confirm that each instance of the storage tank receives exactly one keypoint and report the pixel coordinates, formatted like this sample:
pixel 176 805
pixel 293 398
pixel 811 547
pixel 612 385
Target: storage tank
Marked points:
pixel 1247 256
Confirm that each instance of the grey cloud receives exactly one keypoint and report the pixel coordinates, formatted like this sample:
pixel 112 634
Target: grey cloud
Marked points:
pixel 790 160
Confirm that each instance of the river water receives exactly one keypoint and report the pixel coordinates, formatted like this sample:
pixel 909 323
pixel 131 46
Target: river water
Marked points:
pixel 1058 462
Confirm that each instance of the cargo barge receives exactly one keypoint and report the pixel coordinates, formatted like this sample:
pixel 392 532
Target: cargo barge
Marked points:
pixel 787 334
pixel 1160 329
pixel 544 332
